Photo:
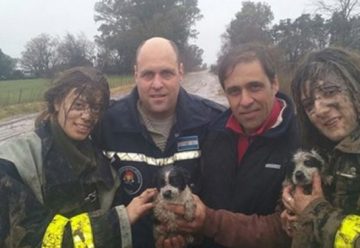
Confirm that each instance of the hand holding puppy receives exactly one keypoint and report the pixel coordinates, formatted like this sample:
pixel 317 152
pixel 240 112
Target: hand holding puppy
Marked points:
pixel 288 222
pixel 141 205
pixel 197 224
pixel 174 242
pixel 297 200
pixel 185 226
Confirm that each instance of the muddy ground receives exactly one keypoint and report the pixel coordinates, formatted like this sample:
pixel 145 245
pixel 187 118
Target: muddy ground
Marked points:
pixel 201 83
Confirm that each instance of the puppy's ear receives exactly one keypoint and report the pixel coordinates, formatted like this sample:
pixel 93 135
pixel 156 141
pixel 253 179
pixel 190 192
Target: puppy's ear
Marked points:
pixel 155 180
pixel 314 160
pixel 186 174
pixel 158 178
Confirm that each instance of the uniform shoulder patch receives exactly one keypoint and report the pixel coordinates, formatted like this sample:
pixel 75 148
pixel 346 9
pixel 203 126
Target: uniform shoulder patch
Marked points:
pixel 131 179
pixel 187 143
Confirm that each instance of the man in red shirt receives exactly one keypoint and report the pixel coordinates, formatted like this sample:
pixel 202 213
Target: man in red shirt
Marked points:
pixel 245 156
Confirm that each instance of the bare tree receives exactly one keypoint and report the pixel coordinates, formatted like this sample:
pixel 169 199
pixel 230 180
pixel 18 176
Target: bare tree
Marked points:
pixel 346 8
pixel 39 56
pixel 75 51
pixel 124 24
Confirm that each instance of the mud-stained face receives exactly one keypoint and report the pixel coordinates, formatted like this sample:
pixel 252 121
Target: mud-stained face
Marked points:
pixel 77 115
pixel 328 105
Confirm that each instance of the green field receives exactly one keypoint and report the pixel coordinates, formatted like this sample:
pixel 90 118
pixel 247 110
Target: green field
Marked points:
pixel 31 90
pixel 19 97
pixel 22 91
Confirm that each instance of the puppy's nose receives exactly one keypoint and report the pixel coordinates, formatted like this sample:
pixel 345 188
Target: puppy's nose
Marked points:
pixel 299 175
pixel 167 194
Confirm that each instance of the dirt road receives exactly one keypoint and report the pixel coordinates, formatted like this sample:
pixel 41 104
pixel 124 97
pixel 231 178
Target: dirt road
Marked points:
pixel 201 83
pixel 205 84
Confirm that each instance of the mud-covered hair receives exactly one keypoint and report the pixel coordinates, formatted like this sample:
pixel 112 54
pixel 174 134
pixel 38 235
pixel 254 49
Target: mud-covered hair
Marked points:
pixel 314 67
pixel 247 53
pixel 85 80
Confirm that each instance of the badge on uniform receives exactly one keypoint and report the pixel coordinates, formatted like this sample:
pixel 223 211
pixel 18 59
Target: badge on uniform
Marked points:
pixel 131 179
pixel 187 143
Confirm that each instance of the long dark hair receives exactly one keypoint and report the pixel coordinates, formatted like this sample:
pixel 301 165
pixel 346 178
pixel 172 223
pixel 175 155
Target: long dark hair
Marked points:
pixel 85 81
pixel 314 67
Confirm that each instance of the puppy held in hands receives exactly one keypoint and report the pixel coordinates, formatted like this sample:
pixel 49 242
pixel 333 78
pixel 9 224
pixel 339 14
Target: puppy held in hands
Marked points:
pixel 301 174
pixel 172 183
pixel 305 164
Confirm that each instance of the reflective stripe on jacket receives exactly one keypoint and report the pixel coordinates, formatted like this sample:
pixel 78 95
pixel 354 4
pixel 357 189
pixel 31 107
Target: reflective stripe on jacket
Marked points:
pixel 35 209
pixel 136 157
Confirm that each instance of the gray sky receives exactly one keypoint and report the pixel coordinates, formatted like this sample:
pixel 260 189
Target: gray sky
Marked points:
pixel 22 20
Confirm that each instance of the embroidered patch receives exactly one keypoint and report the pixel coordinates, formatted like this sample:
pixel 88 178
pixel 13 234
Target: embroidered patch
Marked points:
pixel 131 179
pixel 273 166
pixel 187 143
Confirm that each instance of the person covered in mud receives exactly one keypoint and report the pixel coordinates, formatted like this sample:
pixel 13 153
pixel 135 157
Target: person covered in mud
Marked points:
pixel 56 188
pixel 326 90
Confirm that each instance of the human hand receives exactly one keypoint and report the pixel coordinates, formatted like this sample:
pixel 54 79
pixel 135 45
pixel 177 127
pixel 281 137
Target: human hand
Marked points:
pixel 141 205
pixel 173 242
pixel 195 225
pixel 288 222
pixel 287 198
pixel 297 202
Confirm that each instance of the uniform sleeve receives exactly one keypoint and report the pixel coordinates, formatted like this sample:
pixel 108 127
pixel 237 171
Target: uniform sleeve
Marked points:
pixel 348 234
pixel 239 230
pixel 25 222
pixel 331 228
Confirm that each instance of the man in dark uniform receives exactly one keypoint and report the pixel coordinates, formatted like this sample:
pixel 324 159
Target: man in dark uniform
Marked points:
pixel 157 124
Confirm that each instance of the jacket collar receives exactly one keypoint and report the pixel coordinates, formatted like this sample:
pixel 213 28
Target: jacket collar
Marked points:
pixel 102 173
pixel 190 112
pixel 274 119
pixel 350 144
pixel 287 116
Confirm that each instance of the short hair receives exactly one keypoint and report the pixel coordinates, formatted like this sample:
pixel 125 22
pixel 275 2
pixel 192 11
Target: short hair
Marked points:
pixel 247 53
pixel 314 67
pixel 172 44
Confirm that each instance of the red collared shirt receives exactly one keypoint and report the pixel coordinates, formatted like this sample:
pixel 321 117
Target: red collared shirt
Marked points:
pixel 244 139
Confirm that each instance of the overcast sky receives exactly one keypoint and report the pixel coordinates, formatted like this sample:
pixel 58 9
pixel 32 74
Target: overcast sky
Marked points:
pixel 22 20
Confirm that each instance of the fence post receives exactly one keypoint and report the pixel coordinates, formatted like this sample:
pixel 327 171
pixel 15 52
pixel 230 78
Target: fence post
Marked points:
pixel 19 99
pixel 8 98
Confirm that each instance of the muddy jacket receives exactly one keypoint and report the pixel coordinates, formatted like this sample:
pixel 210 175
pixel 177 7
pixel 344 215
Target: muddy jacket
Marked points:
pixel 43 202
pixel 336 222
pixel 137 158
pixel 252 187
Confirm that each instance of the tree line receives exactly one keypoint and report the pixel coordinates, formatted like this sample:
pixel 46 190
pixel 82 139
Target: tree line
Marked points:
pixel 336 23
pixel 124 24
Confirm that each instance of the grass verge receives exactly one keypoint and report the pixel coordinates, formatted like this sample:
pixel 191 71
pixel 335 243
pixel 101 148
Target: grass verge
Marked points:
pixel 117 88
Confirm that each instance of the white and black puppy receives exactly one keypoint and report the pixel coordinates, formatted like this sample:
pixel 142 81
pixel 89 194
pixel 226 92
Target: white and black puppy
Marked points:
pixel 172 183
pixel 305 164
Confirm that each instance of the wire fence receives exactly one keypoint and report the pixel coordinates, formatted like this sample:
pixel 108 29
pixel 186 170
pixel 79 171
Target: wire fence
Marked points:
pixel 11 97
pixel 20 92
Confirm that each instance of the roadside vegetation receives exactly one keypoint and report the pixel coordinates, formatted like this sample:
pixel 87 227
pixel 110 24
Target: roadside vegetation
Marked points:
pixel 25 96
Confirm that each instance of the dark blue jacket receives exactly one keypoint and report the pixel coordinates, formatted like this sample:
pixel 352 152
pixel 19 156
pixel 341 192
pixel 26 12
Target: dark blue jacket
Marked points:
pixel 137 158
pixel 254 185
